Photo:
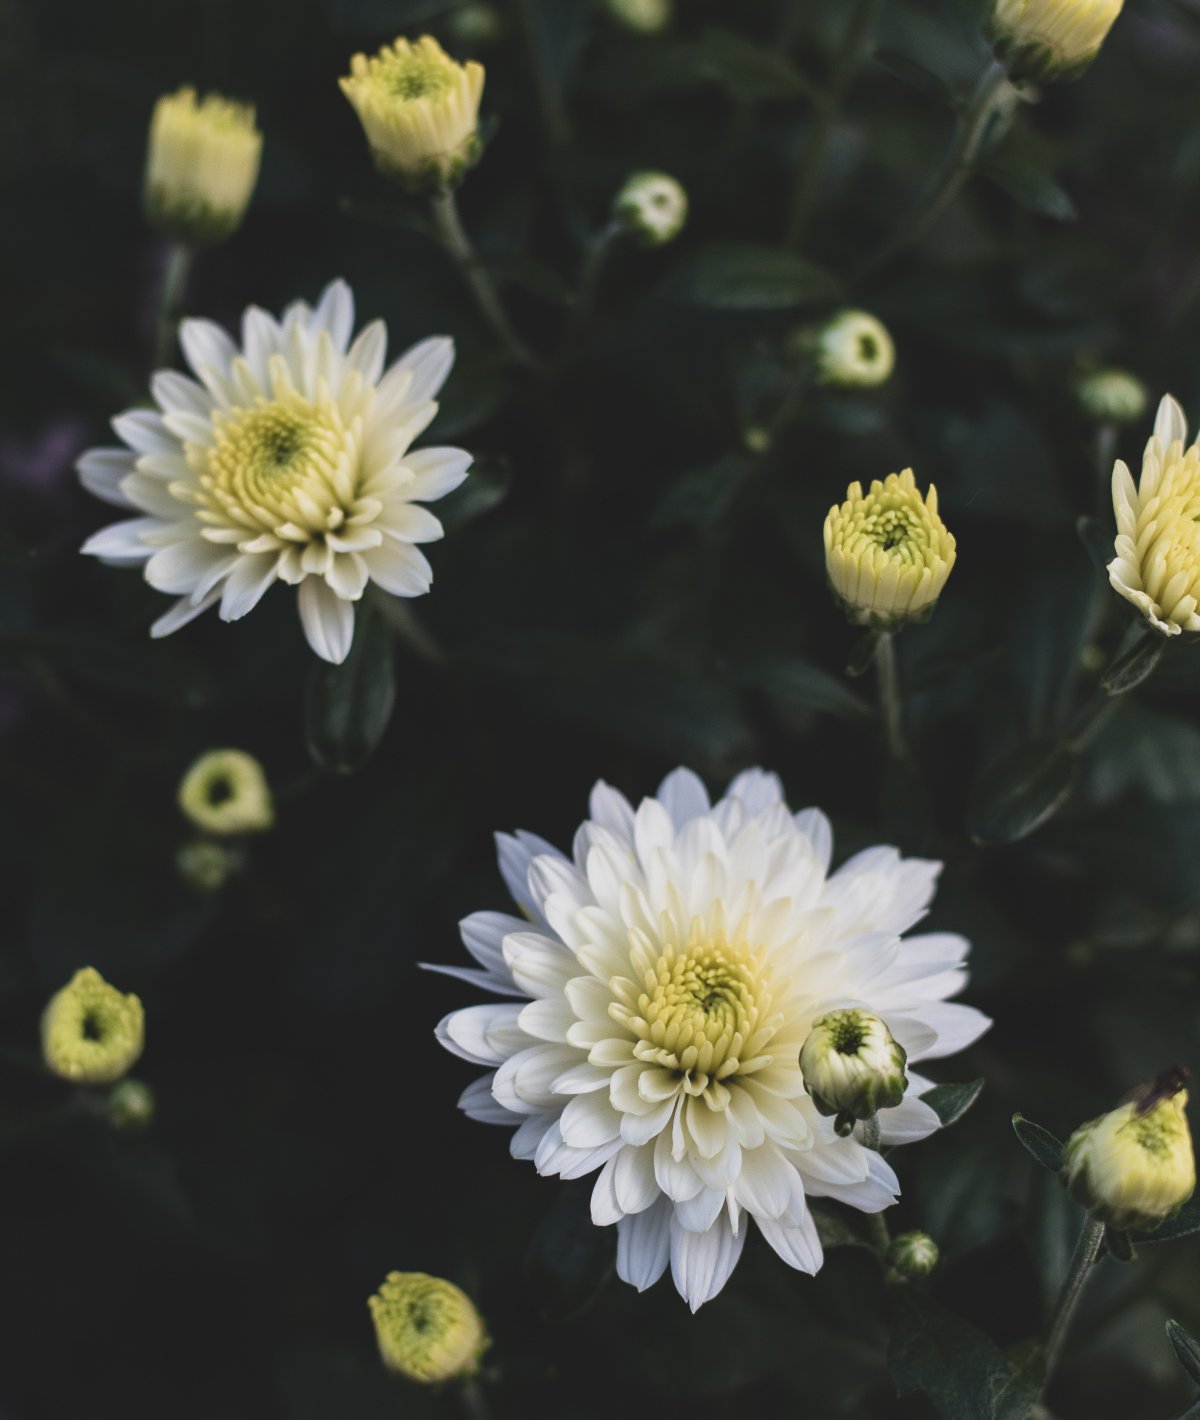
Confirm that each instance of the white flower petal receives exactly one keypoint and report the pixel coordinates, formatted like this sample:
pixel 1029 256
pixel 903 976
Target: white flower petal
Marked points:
pixel 101 471
pixel 430 362
pixel 701 1263
pixel 644 1245
pixel 328 621
pixel 436 472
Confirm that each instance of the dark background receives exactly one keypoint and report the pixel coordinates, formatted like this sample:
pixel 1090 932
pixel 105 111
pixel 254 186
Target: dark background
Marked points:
pixel 623 588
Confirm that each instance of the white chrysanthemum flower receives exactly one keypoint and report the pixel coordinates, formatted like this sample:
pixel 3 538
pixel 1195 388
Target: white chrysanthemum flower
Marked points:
pixel 672 970
pixel 286 459
pixel 1157 566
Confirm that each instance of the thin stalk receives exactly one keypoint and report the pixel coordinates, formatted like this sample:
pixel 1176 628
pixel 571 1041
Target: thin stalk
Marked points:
pixel 473 1400
pixel 870 1134
pixel 994 98
pixel 890 706
pixel 170 300
pixel 1106 454
pixel 403 621
pixel 855 44
pixel 1087 1249
pixel 880 1233
pixel 594 262
pixel 549 101
pixel 453 237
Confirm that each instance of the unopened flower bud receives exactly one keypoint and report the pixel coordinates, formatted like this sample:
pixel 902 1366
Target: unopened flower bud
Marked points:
pixel 427 1328
pixel 225 792
pixel 419 110
pixel 206 866
pixel 1134 1167
pixel 1050 39
pixel 852 1066
pixel 475 26
pixel 1112 396
pixel 913 1255
pixel 652 208
pixel 646 17
pixel 201 166
pixel 887 552
pixel 853 350
pixel 91 1032
pixel 130 1105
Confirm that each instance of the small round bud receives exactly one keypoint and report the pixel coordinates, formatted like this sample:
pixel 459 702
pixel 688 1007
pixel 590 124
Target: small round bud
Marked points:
pixel 853 350
pixel 852 1066
pixel 647 17
pixel 1050 39
pixel 204 865
pixel 226 791
pixel 475 26
pixel 201 167
pixel 91 1032
pixel 1112 396
pixel 427 1328
pixel 913 1255
pixel 652 208
pixel 1134 1167
pixel 130 1105
pixel 887 552
pixel 756 439
pixel 420 112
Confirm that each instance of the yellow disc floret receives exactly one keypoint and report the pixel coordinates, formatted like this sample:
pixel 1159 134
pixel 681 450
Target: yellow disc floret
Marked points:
pixel 427 1328
pixel 91 1032
pixel 201 166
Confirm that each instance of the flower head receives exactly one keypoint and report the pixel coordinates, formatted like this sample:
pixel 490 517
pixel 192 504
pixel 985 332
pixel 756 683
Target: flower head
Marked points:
pixel 852 1065
pixel 652 208
pixel 287 459
pixel 1050 39
pixel 1112 396
pixel 1134 1167
pixel 419 110
pixel 226 791
pixel 667 975
pixel 887 552
pixel 201 166
pixel 91 1032
pixel 1157 566
pixel 427 1328
pixel 854 350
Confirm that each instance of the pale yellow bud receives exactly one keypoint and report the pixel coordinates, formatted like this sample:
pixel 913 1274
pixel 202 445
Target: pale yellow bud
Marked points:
pixel 1112 396
pixel 201 166
pixel 226 792
pixel 854 350
pixel 427 1328
pixel 887 552
pixel 852 1065
pixel 652 207
pixel 91 1032
pixel 1050 39
pixel 646 17
pixel 419 110
pixel 1134 1167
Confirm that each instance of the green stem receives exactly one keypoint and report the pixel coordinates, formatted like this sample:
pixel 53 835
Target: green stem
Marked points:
pixel 1086 1251
pixel 855 45
pixel 170 301
pixel 994 98
pixel 880 1234
pixel 403 621
pixel 473 1400
pixel 549 101
pixel 890 706
pixel 870 1135
pixel 589 282
pixel 454 238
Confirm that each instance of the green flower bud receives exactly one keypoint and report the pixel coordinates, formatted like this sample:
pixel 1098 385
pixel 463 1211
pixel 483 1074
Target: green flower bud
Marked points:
pixel 130 1105
pixel 91 1032
pixel 1112 396
pixel 475 26
pixel 913 1255
pixel 1134 1167
pixel 652 208
pixel 206 866
pixel 852 1066
pixel 646 17
pixel 853 350
pixel 427 1328
pixel 226 791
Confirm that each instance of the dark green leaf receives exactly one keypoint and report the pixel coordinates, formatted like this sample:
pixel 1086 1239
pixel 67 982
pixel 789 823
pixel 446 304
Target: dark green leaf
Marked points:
pixel 730 277
pixel 745 70
pixel 951 1102
pixel 1044 1147
pixel 1182 1225
pixel 798 690
pixel 700 497
pixel 1130 667
pixel 833 1229
pixel 349 706
pixel 1187 1348
pixel 1021 792
pixel 1097 538
pixel 1023 167
pixel 862 654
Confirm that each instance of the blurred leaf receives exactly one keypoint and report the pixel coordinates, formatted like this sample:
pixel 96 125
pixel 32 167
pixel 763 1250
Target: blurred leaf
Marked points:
pixel 1119 1245
pixel 833 1229
pixel 951 1102
pixel 568 1259
pixel 911 72
pixel 1187 1348
pixel 519 269
pixel 1182 1225
pixel 745 70
pixel 1040 1143
pixel 147 669
pixel 729 277
pixel 349 707
pixel 487 486
pixel 1023 166
pixel 1132 666
pixel 1097 538
pixel 1022 791
pixel 797 690
pixel 702 496
pixel 1148 752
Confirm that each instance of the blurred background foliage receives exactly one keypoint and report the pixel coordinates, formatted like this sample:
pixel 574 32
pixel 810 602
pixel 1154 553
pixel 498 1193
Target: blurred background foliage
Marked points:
pixel 624 586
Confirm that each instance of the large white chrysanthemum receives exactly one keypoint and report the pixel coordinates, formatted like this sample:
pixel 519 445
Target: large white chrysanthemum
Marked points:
pixel 671 971
pixel 285 459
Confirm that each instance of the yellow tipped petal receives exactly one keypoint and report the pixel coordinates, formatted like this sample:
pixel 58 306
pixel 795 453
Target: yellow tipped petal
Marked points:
pixel 201 166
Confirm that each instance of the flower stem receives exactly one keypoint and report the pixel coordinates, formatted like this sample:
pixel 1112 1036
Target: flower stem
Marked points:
pixel 870 1136
pixel 549 102
pixel 989 112
pixel 855 44
pixel 889 695
pixel 589 282
pixel 1086 1250
pixel 175 276
pixel 473 1400
pixel 454 238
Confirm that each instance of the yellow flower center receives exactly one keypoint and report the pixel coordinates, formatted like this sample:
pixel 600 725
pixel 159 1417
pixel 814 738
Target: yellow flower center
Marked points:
pixel 894 524
pixel 416 77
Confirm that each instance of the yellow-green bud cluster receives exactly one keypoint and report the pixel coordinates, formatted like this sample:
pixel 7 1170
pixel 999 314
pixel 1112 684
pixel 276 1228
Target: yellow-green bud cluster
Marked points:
pixel 887 552
pixel 646 17
pixel 201 166
pixel 1050 39
pixel 226 792
pixel 1134 1167
pixel 91 1032
pixel 427 1328
pixel 1112 396
pixel 853 350
pixel 419 110
pixel 852 1065
pixel 913 1255
pixel 652 208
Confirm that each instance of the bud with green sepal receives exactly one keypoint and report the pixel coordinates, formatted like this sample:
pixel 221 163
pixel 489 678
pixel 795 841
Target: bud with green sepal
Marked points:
pixel 852 350
pixel 913 1255
pixel 1050 39
pixel 852 1066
